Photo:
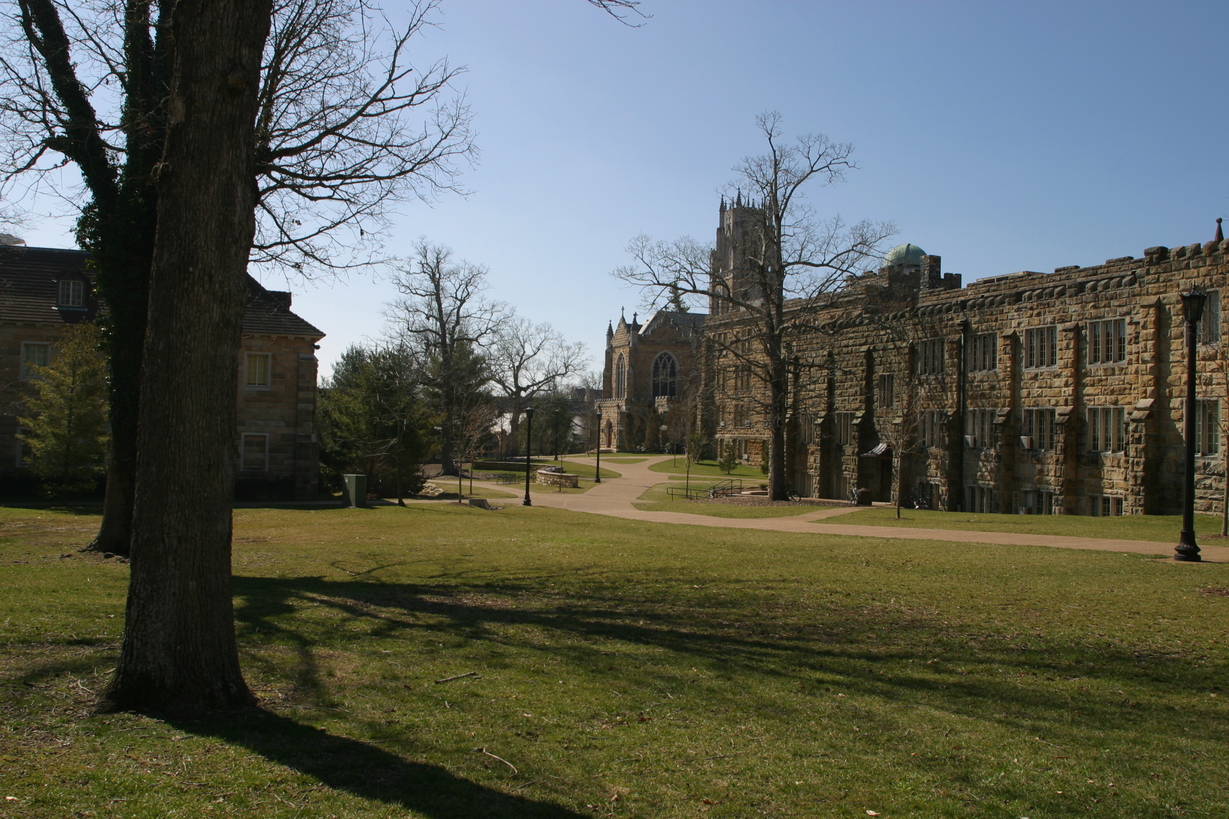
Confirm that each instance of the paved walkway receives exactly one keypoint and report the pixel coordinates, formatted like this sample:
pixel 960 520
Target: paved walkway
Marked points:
pixel 615 497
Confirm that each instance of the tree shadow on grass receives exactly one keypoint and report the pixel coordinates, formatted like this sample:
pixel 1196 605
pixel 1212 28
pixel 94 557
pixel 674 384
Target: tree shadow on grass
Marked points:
pixel 368 772
pixel 886 654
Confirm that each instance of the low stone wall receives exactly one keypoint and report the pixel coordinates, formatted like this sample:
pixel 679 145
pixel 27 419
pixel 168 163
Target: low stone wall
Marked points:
pixel 548 477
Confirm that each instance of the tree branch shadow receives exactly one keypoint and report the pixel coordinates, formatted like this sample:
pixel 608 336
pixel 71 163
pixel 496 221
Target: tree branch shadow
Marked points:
pixel 367 771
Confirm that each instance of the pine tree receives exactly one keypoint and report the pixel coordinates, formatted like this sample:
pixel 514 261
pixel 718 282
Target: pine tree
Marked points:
pixel 66 425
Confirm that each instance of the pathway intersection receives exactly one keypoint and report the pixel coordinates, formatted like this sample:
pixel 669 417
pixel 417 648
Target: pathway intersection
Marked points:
pixel 616 497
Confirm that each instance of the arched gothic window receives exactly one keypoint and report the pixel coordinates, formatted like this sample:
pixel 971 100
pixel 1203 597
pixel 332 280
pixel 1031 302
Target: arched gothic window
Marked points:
pixel 620 385
pixel 665 376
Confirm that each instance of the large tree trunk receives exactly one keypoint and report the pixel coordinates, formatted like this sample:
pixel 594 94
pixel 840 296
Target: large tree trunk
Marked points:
pixel 179 652
pixel 778 487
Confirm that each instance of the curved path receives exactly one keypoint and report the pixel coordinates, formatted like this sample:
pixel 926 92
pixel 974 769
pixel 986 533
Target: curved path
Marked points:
pixel 616 497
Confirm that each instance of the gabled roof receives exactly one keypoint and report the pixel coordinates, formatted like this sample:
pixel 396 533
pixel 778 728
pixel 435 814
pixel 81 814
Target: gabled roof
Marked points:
pixel 29 279
pixel 267 313
pixel 682 321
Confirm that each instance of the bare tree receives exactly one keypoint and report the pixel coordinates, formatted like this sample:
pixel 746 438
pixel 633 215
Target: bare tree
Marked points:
pixel 777 269
pixel 443 315
pixel 346 129
pixel 528 360
pixel 179 651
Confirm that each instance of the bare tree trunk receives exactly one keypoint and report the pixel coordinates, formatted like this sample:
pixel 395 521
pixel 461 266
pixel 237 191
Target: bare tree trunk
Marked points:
pixel 179 652
pixel 779 387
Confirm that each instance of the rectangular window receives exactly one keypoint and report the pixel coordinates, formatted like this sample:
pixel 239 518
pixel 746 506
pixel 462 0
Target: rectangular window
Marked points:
pixel 930 357
pixel 885 391
pixel 72 293
pixel 983 352
pixel 1104 506
pixel 979 428
pixel 1207 331
pixel 930 428
pixel 1107 429
pixel 844 428
pixel 34 354
pixel 1035 502
pixel 1038 429
pixel 1041 347
pixel 980 499
pixel 1207 427
pixel 257 368
pixel 254 456
pixel 1107 341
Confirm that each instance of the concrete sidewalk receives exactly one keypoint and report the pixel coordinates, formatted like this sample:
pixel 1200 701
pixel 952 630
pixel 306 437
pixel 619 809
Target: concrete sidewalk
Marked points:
pixel 615 497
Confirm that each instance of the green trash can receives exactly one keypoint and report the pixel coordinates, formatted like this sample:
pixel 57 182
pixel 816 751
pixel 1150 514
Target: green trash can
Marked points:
pixel 356 490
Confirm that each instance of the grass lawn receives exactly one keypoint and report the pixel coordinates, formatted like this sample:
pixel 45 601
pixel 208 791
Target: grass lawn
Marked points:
pixel 748 474
pixel 442 662
pixel 657 499
pixel 1158 528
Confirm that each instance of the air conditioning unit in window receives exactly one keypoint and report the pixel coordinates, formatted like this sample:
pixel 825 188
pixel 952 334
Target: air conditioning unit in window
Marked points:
pixel 1026 441
pixel 970 441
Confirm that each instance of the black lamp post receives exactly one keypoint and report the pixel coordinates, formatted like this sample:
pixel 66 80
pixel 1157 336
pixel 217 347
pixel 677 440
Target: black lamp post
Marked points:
pixel 1187 549
pixel 557 413
pixel 597 471
pixel 528 451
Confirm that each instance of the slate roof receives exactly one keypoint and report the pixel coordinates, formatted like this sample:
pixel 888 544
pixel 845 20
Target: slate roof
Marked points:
pixel 683 321
pixel 29 290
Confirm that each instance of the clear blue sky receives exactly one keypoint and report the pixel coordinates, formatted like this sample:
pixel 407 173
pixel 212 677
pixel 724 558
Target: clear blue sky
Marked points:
pixel 1002 136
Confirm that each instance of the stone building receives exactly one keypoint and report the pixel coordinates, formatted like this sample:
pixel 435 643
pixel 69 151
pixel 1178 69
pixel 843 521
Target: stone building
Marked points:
pixel 1038 393
pixel 44 289
pixel 650 381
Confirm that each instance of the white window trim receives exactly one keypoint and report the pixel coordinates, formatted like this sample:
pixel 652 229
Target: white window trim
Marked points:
pixel 268 384
pixel 77 290
pixel 243 437
pixel 25 345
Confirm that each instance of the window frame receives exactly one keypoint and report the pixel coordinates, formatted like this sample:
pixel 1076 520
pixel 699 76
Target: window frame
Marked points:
pixel 1107 429
pixel 248 359
pixel 243 451
pixel 1040 424
pixel 1107 342
pixel 665 386
pixel 1041 347
pixel 74 299
pixel 885 390
pixel 620 377
pixel 983 353
pixel 1104 506
pixel 1207 331
pixel 843 428
pixel 979 424
pixel 931 353
pixel 930 432
pixel 25 373
pixel 1207 427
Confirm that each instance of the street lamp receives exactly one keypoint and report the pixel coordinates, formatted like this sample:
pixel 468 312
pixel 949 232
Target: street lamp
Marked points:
pixel 597 471
pixel 528 451
pixel 1187 549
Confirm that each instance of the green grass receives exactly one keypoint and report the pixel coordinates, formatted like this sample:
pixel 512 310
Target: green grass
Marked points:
pixel 626 669
pixel 657 499
pixel 748 474
pixel 1157 528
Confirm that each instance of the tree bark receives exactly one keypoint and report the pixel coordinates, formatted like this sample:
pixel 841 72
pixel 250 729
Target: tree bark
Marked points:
pixel 179 652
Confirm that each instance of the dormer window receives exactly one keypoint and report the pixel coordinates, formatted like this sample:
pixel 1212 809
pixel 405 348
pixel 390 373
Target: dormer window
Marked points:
pixel 72 293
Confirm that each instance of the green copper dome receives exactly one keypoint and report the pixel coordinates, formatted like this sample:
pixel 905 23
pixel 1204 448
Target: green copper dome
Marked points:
pixel 906 255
